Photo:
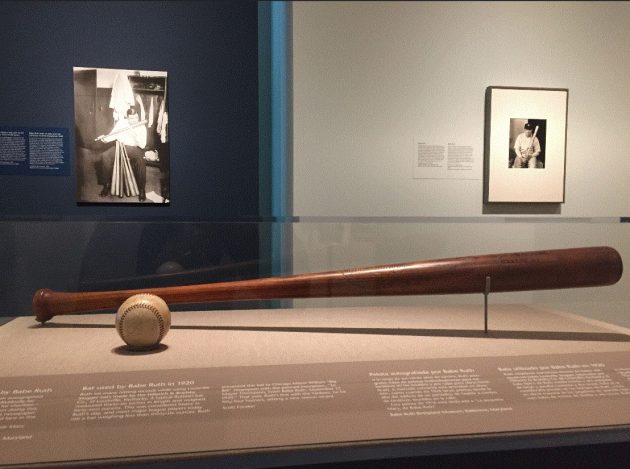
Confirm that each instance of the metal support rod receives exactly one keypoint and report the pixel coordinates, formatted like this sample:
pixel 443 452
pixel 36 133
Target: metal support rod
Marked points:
pixel 486 292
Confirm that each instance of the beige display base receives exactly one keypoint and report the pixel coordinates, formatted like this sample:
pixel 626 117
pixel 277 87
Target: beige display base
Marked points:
pixel 238 347
pixel 90 344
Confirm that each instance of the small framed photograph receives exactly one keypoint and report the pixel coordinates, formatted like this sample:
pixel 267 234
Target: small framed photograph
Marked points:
pixel 525 149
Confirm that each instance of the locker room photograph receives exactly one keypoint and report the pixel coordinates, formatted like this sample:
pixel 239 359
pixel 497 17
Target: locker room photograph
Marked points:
pixel 121 136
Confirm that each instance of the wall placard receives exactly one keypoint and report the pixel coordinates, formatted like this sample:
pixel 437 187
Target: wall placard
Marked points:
pixel 84 417
pixel 34 151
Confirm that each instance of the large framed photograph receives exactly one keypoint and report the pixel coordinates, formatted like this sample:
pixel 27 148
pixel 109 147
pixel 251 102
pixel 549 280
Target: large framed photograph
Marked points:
pixel 121 136
pixel 526 132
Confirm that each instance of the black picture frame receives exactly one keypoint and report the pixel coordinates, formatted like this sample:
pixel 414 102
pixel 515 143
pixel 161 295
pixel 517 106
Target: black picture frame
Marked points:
pixel 525 144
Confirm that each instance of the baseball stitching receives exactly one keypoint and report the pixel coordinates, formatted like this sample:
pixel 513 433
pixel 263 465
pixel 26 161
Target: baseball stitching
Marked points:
pixel 148 306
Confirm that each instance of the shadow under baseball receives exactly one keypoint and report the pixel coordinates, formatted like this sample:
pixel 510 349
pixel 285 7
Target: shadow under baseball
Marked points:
pixel 127 350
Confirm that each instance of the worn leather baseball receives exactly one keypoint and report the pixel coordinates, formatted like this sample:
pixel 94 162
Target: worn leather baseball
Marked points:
pixel 143 320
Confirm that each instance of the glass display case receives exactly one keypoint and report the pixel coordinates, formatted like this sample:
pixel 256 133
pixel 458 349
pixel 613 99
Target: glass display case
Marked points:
pixel 269 382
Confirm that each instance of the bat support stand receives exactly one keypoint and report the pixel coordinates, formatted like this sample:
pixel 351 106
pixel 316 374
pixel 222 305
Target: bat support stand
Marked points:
pixel 486 292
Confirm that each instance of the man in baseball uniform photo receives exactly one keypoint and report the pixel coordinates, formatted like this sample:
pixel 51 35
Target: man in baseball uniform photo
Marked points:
pixel 527 148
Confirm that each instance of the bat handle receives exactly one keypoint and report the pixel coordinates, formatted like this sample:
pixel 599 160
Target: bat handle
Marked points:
pixel 41 307
pixel 49 303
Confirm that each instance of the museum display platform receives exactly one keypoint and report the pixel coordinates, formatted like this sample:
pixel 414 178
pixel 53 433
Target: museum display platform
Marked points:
pixel 262 388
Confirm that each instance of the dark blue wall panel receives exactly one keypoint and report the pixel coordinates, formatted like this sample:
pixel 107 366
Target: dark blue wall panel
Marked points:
pixel 209 50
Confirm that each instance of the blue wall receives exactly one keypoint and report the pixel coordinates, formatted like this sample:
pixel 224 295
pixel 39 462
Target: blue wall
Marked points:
pixel 210 51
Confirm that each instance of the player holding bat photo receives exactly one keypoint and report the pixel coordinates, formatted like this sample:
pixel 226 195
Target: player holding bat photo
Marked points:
pixel 527 148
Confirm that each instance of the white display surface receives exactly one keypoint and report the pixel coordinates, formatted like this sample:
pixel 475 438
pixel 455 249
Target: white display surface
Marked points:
pixel 369 78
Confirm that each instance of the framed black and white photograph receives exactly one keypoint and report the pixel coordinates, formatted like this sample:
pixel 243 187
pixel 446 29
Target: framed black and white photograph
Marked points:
pixel 526 132
pixel 121 136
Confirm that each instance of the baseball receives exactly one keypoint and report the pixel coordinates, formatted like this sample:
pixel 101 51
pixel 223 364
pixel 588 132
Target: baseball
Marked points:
pixel 143 320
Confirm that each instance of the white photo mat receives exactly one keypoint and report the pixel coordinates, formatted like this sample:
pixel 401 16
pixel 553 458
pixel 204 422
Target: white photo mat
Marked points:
pixel 508 107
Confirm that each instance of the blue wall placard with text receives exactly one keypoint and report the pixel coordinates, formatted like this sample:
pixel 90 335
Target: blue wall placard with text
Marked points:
pixel 37 151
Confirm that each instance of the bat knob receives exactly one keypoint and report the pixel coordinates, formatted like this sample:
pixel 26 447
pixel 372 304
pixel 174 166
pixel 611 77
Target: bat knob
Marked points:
pixel 40 305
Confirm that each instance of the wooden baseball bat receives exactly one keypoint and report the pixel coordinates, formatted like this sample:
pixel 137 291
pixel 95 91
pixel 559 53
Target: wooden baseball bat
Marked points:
pixel 121 131
pixel 531 147
pixel 534 270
